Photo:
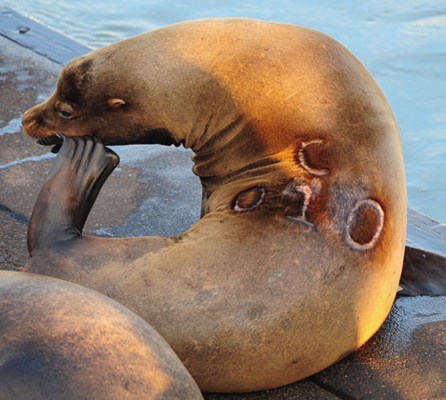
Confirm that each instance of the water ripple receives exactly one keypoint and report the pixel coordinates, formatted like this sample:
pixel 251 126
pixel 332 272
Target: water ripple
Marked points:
pixel 28 160
pixel 14 126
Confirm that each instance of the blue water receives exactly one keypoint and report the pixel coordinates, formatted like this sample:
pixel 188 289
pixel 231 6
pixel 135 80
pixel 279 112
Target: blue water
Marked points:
pixel 402 43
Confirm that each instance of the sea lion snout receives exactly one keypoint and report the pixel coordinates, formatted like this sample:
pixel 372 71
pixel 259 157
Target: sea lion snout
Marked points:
pixel 33 122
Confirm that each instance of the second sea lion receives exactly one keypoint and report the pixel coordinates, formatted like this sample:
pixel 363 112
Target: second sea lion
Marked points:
pixel 59 340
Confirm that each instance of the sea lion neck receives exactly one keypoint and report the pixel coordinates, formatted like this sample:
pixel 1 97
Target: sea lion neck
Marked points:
pixel 189 106
pixel 229 157
pixel 224 148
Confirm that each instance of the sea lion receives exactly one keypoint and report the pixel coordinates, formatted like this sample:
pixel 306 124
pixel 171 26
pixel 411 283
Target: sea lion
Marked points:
pixel 59 340
pixel 297 259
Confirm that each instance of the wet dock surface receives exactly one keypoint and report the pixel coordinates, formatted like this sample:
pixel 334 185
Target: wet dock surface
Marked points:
pixel 153 191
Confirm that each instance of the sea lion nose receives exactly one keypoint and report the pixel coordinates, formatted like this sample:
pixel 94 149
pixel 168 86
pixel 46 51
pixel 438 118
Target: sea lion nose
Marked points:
pixel 27 122
pixel 32 121
pixel 26 118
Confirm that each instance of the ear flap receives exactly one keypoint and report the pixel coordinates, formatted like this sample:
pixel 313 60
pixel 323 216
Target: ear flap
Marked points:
pixel 116 103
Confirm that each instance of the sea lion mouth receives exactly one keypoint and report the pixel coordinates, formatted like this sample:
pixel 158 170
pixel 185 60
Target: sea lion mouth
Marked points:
pixel 54 140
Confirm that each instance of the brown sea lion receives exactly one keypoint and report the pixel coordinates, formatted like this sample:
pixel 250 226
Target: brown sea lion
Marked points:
pixel 297 260
pixel 59 340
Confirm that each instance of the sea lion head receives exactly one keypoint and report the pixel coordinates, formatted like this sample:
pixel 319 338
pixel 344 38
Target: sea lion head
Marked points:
pixel 89 101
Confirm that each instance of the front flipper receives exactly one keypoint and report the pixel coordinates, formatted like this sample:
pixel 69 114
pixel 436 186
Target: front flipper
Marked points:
pixel 424 270
pixel 81 168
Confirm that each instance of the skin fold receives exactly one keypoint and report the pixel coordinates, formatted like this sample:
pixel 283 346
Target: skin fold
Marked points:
pixel 297 258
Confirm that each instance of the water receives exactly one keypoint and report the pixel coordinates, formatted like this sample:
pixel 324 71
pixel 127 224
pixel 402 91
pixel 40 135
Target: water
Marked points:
pixel 403 44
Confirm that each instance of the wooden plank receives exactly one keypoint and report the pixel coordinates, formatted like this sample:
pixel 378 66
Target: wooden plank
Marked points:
pixel 39 38
pixel 425 233
pixel 424 271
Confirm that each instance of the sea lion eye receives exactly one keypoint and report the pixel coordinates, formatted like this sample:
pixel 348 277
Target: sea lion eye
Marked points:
pixel 65 110
pixel 65 114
